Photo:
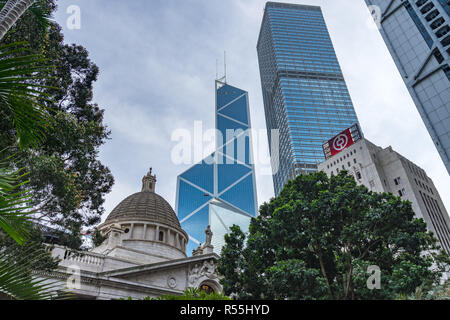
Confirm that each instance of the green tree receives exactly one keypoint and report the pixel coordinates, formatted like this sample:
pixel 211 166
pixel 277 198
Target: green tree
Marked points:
pixel 27 98
pixel 19 257
pixel 317 239
pixel 67 181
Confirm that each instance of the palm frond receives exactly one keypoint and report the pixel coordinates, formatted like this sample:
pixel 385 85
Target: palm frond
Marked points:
pixel 41 13
pixel 14 218
pixel 17 280
pixel 20 94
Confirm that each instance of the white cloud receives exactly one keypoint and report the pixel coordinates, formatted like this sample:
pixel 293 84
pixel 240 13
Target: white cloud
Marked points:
pixel 158 62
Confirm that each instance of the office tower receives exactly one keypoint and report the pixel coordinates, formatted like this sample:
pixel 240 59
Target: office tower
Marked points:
pixel 304 91
pixel 416 34
pixel 220 191
pixel 384 170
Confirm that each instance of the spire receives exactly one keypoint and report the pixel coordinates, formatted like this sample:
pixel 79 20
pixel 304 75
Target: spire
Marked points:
pixel 223 79
pixel 148 182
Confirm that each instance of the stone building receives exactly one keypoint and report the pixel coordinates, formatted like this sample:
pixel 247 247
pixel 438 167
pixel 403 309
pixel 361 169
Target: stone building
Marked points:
pixel 384 170
pixel 144 254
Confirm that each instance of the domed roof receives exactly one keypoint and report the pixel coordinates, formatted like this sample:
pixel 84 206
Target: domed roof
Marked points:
pixel 147 205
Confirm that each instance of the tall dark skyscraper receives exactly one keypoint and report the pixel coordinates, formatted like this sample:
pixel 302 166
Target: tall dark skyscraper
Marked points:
pixel 417 36
pixel 304 91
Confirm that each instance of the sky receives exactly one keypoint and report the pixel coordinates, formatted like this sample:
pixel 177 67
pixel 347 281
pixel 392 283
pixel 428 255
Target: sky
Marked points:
pixel 158 59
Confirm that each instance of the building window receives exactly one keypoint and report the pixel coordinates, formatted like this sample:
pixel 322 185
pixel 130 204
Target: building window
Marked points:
pixel 161 236
pixel 354 160
pixel 437 54
pixel 206 288
pixel 397 181
pixel 349 164
pixel 437 23
pixel 442 31
pixel 421 3
pixel 433 14
pixel 358 175
pixel 427 8
pixel 446 41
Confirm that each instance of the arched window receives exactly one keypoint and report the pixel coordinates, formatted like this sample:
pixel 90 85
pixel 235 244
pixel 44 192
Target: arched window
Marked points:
pixel 206 288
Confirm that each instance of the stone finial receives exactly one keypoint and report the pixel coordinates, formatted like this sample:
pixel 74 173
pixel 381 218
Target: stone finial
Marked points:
pixel 148 182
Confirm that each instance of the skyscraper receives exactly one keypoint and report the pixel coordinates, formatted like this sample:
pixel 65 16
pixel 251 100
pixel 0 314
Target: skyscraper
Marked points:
pixel 416 34
pixel 220 190
pixel 304 91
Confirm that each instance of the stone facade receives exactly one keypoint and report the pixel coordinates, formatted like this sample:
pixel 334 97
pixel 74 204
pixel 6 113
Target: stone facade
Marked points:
pixel 384 170
pixel 143 255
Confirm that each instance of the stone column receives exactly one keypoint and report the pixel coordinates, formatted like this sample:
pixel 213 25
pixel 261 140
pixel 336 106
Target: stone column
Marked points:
pixel 131 231
pixel 157 233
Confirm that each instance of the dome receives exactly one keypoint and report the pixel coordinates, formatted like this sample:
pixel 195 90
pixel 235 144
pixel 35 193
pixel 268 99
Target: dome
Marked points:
pixel 146 205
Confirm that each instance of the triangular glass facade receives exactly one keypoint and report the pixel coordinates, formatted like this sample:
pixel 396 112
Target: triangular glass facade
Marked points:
pixel 222 192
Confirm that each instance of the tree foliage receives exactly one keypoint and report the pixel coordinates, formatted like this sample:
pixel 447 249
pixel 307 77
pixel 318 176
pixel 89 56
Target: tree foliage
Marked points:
pixel 67 181
pixel 35 98
pixel 317 239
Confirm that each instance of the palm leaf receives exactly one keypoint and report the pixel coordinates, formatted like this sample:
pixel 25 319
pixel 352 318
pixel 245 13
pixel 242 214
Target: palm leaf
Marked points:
pixel 20 95
pixel 14 218
pixel 17 280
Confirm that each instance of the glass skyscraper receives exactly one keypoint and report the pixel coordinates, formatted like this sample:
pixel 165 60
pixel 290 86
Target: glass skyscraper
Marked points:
pixel 220 190
pixel 304 92
pixel 417 36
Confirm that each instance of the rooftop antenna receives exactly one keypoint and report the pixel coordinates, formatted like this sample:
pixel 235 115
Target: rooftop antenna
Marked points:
pixel 217 68
pixel 225 66
pixel 223 79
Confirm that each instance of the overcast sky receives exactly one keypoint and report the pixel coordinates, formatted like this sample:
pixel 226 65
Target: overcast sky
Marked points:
pixel 157 61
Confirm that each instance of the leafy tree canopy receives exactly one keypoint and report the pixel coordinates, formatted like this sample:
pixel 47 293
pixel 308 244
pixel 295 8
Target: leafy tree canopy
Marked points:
pixel 317 239
pixel 67 181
